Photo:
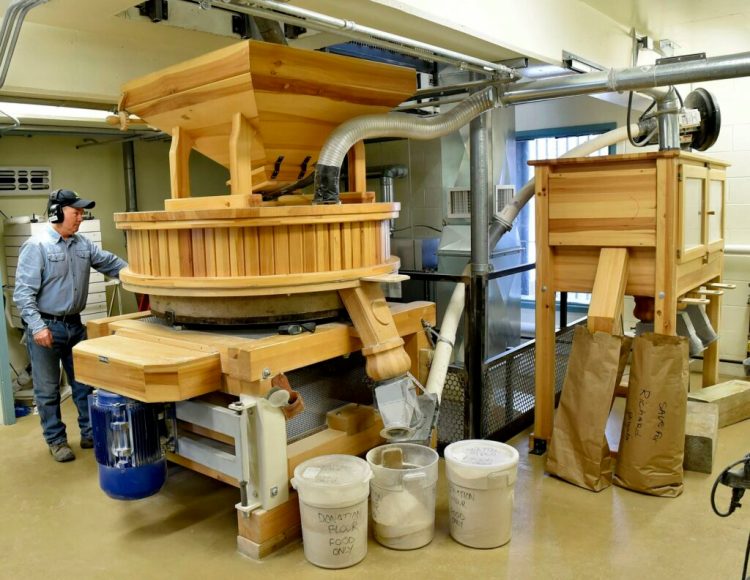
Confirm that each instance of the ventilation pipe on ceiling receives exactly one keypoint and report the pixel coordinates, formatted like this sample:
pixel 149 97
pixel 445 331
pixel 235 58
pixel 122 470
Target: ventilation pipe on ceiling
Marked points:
pixel 631 79
pixel 11 27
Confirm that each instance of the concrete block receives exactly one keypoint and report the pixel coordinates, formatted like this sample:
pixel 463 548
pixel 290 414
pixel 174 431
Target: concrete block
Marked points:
pixel 701 436
pixel 732 398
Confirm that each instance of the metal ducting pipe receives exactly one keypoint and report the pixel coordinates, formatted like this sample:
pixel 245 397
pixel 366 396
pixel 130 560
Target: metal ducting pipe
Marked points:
pixel 631 79
pixel 392 125
pixel 11 27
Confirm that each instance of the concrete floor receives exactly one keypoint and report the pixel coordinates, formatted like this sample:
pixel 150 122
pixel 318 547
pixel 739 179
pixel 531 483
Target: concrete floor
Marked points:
pixel 58 524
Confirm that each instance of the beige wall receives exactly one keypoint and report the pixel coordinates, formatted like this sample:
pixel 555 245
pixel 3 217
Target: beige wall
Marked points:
pixel 97 172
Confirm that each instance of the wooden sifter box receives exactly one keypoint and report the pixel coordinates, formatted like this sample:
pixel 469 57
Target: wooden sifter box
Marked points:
pixel 649 225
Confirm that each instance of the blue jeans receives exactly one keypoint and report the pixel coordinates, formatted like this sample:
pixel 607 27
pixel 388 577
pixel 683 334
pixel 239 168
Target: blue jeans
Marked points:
pixel 45 372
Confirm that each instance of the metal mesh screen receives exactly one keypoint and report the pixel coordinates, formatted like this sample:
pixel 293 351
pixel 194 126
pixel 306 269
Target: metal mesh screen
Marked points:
pixel 324 387
pixel 508 392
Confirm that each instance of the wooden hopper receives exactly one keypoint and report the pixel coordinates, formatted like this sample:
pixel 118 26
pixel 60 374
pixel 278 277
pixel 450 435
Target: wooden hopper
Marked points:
pixel 262 110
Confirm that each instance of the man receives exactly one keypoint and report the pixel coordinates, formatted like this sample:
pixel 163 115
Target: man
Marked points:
pixel 52 280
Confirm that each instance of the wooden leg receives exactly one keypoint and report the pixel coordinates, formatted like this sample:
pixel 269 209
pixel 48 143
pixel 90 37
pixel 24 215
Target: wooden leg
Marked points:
pixel 711 354
pixel 357 168
pixel 240 170
pixel 605 310
pixel 382 345
pixel 179 163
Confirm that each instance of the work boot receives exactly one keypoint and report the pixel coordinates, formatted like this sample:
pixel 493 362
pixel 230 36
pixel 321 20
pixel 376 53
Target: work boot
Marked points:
pixel 87 443
pixel 61 452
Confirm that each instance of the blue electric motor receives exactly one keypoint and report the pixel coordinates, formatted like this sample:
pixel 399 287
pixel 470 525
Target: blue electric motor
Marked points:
pixel 127 446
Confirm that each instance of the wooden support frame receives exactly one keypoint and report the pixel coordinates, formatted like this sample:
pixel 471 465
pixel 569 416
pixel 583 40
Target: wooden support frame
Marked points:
pixel 179 163
pixel 636 210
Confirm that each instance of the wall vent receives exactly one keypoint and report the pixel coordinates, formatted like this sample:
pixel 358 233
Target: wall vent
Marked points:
pixel 459 202
pixel 503 196
pixel 25 180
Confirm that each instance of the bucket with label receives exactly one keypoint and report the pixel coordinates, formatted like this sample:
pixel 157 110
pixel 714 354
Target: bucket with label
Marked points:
pixel 333 492
pixel 481 476
pixel 402 494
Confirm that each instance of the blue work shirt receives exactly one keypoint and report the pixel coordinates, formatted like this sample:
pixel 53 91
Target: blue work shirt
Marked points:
pixel 53 275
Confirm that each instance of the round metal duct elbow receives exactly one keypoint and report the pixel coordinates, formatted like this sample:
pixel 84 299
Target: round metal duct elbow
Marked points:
pixel 328 168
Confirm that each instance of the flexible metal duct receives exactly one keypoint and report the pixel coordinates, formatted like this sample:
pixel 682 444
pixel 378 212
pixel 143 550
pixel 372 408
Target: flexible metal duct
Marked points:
pixel 12 21
pixel 393 125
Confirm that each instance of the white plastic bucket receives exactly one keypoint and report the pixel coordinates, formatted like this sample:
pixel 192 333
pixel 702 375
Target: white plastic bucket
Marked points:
pixel 481 476
pixel 402 500
pixel 333 493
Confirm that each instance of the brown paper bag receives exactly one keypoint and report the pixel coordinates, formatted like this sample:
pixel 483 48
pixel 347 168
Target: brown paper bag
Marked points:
pixel 652 442
pixel 578 451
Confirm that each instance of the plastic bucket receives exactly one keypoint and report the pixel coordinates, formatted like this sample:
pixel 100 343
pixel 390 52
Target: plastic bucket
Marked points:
pixel 333 492
pixel 481 476
pixel 402 499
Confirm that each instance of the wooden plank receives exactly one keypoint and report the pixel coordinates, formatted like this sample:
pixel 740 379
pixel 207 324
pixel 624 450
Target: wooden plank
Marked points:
pixel 369 253
pixel 665 319
pixel 240 142
pixel 154 253
pixel 357 245
pixel 262 525
pixel 544 314
pixel 333 441
pixel 574 270
pixel 605 310
pixel 281 250
pixel 346 246
pixel 199 253
pixel 134 251
pixel 179 163
pixel 238 201
pixel 310 249
pixel 322 254
pixel 236 252
pixel 266 251
pixel 185 252
pixel 100 326
pixel 252 251
pixel 296 250
pixel 221 251
pixel 146 371
pixel 209 246
pixel 711 354
pixel 163 248
pixel 334 236
pixel 357 167
pixel 200 468
pixel 173 252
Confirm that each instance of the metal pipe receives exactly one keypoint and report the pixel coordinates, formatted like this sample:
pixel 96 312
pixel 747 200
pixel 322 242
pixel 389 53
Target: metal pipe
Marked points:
pixel 631 79
pixel 12 22
pixel 348 133
pixel 480 156
pixel 737 250
pixel 289 14
pixel 668 110
pixel 128 165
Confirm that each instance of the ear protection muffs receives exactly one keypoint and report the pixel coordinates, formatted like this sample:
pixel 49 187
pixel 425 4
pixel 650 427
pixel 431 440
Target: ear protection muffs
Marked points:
pixel 54 210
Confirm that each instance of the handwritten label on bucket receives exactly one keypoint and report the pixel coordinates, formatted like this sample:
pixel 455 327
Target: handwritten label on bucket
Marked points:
pixel 335 537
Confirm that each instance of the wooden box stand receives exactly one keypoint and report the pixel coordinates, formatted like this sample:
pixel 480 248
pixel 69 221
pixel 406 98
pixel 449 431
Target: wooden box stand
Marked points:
pixel 647 225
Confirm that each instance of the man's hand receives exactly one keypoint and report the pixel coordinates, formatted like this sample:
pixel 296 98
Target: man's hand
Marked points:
pixel 44 338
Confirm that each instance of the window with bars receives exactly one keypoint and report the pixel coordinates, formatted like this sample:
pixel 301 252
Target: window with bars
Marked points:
pixel 548 144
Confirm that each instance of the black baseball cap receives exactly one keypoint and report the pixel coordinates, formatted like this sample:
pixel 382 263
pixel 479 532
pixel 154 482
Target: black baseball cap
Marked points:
pixel 68 197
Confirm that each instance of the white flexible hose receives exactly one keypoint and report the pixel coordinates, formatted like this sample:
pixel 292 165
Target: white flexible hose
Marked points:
pixel 443 349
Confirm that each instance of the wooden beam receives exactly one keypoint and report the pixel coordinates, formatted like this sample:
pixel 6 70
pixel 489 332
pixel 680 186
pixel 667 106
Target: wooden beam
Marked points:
pixel 605 310
pixel 240 168
pixel 357 168
pixel 179 163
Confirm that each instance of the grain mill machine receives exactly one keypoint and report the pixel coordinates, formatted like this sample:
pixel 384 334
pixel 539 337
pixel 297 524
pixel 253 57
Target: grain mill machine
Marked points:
pixel 243 290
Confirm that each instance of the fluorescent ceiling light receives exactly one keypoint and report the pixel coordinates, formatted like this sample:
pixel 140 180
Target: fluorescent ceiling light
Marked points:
pixel 49 112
